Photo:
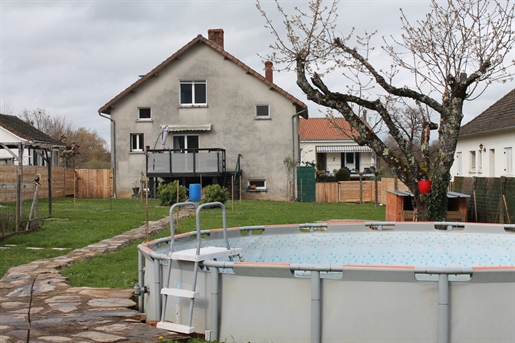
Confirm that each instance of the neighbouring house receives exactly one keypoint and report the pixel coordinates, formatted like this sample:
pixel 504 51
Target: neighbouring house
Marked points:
pixel 203 116
pixel 485 144
pixel 20 141
pixel 328 144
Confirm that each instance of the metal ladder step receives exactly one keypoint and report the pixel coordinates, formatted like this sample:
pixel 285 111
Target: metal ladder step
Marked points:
pixel 179 292
pixel 176 327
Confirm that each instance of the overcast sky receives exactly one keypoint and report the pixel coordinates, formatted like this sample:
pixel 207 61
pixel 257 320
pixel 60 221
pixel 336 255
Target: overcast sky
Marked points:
pixel 71 57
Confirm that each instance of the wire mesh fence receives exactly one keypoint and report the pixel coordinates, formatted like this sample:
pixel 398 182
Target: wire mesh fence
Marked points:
pixel 492 200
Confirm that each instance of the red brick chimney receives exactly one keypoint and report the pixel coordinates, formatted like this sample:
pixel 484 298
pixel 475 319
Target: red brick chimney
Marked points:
pixel 269 72
pixel 216 36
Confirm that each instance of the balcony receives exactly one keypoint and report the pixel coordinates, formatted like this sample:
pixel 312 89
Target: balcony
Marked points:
pixel 172 163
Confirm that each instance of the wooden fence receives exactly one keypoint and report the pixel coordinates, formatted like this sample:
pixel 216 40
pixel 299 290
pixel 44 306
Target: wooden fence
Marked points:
pixel 81 183
pixel 357 191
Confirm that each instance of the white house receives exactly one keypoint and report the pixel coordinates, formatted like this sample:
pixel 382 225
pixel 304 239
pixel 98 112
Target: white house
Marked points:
pixel 20 139
pixel 329 145
pixel 485 145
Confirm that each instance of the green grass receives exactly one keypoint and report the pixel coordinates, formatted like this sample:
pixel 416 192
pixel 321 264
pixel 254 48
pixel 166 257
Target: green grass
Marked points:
pixel 90 221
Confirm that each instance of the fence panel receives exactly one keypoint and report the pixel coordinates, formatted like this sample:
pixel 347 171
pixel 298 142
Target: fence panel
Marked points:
pixel 353 192
pixel 94 183
pixel 62 182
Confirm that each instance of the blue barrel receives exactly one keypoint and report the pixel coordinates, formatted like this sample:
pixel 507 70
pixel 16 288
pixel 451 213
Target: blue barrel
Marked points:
pixel 195 190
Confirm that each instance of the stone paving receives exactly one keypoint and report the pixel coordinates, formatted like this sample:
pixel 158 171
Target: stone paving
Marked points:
pixel 60 313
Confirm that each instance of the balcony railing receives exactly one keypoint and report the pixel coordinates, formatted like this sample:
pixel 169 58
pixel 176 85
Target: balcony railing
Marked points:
pixel 185 162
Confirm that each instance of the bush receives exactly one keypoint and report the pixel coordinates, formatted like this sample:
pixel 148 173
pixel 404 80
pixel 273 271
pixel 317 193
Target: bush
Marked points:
pixel 325 178
pixel 343 174
pixel 215 193
pixel 167 193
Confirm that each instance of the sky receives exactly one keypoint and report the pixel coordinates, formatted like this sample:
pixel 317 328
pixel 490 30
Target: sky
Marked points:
pixel 72 57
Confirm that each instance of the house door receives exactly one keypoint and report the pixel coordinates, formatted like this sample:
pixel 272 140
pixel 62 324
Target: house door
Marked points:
pixel 321 161
pixel 350 160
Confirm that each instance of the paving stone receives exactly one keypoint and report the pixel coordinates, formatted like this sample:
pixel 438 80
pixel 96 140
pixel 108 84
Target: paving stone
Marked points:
pixel 99 337
pixel 110 302
pixel 55 339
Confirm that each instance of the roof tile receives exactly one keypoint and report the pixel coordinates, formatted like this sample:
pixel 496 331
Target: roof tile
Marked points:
pixel 499 116
pixel 320 129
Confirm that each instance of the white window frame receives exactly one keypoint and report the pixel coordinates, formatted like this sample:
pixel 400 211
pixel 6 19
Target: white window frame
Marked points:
pixel 137 142
pixel 193 83
pixel 472 161
pixel 149 112
pixel 259 183
pixel 261 116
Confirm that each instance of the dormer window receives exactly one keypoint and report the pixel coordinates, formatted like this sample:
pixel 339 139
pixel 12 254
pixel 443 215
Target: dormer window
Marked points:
pixel 193 93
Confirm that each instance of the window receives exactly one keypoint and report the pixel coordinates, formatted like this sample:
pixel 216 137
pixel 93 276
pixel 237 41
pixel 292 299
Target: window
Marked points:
pixel 193 93
pixel 263 111
pixel 185 142
pixel 472 161
pixel 137 142
pixel 257 184
pixel 144 113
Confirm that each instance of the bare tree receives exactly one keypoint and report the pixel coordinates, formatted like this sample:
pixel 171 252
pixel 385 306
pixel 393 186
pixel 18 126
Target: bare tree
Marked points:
pixel 451 55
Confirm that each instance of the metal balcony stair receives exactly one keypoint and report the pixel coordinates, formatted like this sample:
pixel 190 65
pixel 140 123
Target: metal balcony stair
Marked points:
pixel 196 256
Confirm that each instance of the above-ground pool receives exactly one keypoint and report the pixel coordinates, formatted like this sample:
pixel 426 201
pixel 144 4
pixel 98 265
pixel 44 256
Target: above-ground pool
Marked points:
pixel 333 282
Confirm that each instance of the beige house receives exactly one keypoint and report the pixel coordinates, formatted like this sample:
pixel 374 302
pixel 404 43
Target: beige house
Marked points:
pixel 486 144
pixel 328 144
pixel 200 117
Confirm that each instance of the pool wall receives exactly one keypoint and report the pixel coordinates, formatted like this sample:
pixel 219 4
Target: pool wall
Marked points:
pixel 267 302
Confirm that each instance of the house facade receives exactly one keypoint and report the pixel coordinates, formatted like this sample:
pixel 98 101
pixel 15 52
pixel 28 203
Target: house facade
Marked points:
pixel 328 144
pixel 486 144
pixel 199 117
pixel 21 142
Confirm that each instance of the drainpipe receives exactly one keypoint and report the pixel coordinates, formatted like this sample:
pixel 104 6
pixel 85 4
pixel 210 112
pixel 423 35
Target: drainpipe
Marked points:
pixel 315 307
pixel 293 141
pixel 113 149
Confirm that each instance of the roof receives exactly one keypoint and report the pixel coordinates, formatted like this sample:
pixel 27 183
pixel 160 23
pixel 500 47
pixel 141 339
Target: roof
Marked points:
pixel 200 39
pixel 499 116
pixel 323 129
pixel 26 131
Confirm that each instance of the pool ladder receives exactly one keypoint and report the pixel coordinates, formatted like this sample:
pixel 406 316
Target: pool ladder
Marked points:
pixel 196 256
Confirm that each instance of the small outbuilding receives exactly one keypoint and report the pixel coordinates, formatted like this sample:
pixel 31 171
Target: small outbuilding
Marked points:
pixel 399 206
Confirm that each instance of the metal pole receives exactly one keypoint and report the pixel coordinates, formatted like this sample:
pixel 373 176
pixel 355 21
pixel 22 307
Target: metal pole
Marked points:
pixel 157 288
pixel 443 308
pixel 315 307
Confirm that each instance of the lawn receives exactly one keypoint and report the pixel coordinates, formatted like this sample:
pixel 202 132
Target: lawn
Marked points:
pixel 75 225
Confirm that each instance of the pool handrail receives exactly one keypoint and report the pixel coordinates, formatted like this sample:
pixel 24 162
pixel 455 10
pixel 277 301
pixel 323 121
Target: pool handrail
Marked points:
pixel 172 227
pixel 224 224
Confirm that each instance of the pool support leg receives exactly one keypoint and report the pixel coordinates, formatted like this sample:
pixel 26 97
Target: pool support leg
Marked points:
pixel 213 333
pixel 443 308
pixel 315 307
pixel 157 289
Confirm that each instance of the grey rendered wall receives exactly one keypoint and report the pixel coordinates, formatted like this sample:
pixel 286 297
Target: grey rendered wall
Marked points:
pixel 232 96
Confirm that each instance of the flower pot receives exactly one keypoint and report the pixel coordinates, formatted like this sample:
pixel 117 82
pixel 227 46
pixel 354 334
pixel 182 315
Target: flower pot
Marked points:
pixel 424 186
